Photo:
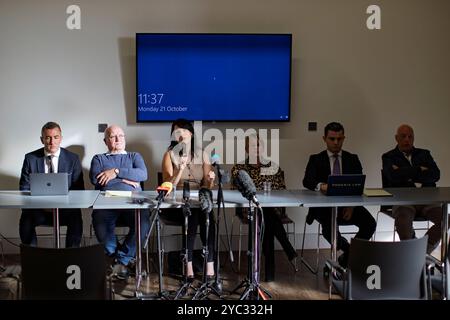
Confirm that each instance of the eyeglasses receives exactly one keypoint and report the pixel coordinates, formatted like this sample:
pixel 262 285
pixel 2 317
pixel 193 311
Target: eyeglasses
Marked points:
pixel 120 136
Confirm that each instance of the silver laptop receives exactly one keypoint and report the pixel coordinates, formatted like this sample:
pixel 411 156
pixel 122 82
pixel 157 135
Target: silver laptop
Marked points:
pixel 49 184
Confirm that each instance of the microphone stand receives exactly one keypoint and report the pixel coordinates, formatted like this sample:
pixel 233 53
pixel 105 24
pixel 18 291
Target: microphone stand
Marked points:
pixel 253 290
pixel 187 284
pixel 154 221
pixel 205 288
pixel 216 287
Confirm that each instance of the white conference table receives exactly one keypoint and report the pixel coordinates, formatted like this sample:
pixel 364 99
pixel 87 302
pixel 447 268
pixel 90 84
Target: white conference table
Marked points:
pixel 76 199
pixel 400 196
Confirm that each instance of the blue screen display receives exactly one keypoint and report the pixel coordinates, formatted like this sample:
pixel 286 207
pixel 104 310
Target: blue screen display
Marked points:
pixel 213 77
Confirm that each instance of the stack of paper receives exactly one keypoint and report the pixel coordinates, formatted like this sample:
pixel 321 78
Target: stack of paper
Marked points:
pixel 116 193
pixel 376 193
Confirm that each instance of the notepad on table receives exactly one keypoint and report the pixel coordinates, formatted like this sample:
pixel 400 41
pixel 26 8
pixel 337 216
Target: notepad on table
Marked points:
pixel 117 193
pixel 376 193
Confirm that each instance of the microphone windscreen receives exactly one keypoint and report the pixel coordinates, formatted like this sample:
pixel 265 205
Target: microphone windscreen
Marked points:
pixel 205 198
pixel 166 187
pixel 245 185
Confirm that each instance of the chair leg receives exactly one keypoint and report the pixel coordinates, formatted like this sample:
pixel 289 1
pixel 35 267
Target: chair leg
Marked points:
pixel 295 240
pixel 147 261
pixel 295 246
pixel 3 254
pixel 240 243
pixel 318 247
pixel 303 259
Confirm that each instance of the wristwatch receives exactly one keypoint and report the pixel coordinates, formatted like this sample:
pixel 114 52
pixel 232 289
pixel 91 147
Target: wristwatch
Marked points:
pixel 116 170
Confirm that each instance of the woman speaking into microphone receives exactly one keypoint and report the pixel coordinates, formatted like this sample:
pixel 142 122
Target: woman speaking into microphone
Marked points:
pixel 183 161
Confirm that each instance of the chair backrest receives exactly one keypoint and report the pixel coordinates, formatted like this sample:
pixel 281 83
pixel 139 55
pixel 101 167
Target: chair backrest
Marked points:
pixel 387 270
pixel 68 273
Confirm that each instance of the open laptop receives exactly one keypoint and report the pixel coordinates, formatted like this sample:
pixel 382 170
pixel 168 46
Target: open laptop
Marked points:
pixel 49 184
pixel 346 185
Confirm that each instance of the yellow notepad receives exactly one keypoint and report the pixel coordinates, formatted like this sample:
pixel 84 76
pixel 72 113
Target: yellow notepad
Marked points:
pixel 376 193
pixel 117 193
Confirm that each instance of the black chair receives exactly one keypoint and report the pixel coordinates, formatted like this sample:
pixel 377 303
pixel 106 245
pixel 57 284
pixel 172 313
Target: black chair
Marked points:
pixel 383 270
pixel 64 274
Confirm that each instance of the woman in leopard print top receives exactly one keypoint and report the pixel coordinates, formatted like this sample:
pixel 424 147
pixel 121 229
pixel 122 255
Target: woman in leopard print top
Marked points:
pixel 272 216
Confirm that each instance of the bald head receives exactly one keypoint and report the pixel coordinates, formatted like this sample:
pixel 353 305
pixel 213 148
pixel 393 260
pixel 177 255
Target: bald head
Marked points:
pixel 405 138
pixel 114 139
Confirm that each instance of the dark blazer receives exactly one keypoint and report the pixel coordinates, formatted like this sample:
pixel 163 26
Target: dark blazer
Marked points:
pixel 408 173
pixel 318 169
pixel 67 162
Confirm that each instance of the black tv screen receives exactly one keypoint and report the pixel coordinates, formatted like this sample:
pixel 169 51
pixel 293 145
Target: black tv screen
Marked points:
pixel 213 77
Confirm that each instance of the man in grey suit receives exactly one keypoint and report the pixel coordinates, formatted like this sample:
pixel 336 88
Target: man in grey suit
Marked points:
pixel 51 158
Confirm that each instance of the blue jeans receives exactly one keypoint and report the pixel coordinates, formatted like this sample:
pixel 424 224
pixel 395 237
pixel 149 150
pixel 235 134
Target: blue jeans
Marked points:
pixel 105 221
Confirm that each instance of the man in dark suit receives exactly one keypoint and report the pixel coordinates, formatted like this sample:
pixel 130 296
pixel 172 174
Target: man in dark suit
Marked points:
pixel 336 161
pixel 406 166
pixel 51 158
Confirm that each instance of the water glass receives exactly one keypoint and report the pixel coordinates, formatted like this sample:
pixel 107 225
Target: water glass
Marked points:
pixel 174 190
pixel 267 187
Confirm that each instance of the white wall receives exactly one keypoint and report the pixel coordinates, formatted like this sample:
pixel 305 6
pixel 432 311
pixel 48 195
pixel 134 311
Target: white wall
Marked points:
pixel 371 81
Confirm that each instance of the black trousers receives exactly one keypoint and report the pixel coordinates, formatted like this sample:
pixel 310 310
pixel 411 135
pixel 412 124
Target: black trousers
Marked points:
pixel 196 219
pixel 31 218
pixel 361 218
pixel 274 229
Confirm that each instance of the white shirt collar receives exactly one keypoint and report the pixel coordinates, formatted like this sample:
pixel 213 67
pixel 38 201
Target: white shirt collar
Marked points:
pixel 331 154
pixel 54 155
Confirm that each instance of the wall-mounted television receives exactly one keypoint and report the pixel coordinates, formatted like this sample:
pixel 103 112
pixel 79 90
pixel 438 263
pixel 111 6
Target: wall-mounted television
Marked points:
pixel 213 77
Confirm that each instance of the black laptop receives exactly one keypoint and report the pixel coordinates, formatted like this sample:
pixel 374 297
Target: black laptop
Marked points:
pixel 346 185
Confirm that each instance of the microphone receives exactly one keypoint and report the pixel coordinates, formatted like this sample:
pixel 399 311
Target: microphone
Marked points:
pixel 163 189
pixel 246 186
pixel 186 191
pixel 224 176
pixel 205 198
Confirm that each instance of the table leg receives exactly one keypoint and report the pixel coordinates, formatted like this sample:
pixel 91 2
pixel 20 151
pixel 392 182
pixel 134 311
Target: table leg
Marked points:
pixel 56 234
pixel 444 249
pixel 334 211
pixel 138 248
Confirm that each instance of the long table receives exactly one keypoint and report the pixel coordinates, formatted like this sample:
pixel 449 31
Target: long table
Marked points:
pixel 76 199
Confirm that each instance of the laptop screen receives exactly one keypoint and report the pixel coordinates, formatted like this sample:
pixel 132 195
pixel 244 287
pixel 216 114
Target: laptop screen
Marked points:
pixel 49 184
pixel 346 185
